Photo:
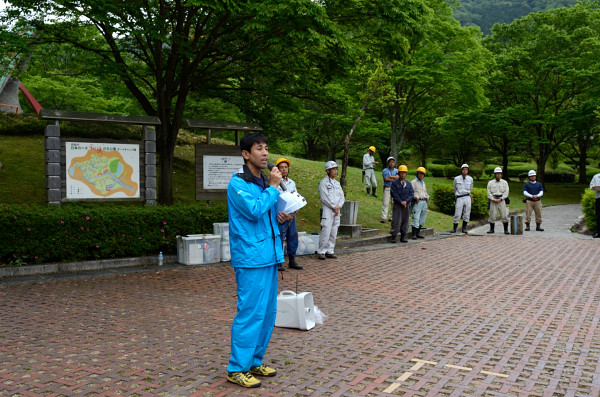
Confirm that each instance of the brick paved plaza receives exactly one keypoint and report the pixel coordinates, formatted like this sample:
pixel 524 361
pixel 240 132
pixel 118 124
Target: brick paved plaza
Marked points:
pixel 466 315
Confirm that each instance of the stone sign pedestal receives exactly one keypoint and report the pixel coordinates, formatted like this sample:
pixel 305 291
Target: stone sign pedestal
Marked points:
pixel 348 225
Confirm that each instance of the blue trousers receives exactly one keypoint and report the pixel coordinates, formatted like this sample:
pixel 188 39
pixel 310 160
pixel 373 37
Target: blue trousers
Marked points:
pixel 253 324
pixel 289 231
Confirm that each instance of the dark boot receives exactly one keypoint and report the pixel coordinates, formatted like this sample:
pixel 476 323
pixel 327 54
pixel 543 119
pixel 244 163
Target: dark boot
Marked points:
pixel 375 191
pixel 527 227
pixel 414 233
pixel 293 264
pixel 492 226
pixel 403 238
pixel 419 233
pixel 506 228
pixel 464 227
pixel 454 228
pixel 538 227
pixel 368 191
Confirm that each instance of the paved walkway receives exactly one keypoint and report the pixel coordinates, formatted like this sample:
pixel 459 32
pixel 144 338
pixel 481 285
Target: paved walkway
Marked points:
pixel 458 316
pixel 557 223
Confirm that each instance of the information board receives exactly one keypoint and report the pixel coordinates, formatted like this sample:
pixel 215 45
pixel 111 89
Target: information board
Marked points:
pixel 102 170
pixel 218 170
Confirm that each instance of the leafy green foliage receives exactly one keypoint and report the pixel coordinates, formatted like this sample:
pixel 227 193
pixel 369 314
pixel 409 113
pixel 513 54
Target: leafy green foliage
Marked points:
pixel 444 200
pixel 588 207
pixel 486 13
pixel 85 232
pixel 545 68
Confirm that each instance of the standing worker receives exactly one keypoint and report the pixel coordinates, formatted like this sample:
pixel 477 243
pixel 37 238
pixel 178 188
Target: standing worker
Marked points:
pixel 463 185
pixel 332 200
pixel 420 200
pixel 255 252
pixel 497 192
pixel 595 186
pixel 402 194
pixel 368 164
pixel 390 174
pixel 287 222
pixel 533 192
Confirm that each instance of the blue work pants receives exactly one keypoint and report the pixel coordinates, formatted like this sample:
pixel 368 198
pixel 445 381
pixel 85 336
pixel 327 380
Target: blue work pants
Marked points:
pixel 289 232
pixel 253 324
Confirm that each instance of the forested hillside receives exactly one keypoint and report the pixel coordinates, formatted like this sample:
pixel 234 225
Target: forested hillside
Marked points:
pixel 485 13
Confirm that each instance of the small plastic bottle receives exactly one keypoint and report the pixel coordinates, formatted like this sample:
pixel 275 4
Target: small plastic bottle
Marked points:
pixel 160 258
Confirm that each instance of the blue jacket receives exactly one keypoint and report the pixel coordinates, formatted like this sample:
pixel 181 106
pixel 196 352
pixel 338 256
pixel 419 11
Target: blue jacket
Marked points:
pixel 400 193
pixel 253 230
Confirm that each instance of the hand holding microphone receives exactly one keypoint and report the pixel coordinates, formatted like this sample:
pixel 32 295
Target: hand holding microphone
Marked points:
pixel 275 177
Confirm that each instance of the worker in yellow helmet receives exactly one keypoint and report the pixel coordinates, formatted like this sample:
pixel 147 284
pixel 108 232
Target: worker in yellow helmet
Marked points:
pixel 287 222
pixel 419 203
pixel 368 164
pixel 402 194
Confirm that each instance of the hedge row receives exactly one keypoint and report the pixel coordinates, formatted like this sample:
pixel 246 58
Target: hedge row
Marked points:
pixel 444 199
pixel 35 234
pixel 449 171
pixel 588 207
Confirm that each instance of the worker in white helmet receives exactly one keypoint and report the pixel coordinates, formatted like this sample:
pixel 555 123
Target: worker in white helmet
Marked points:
pixel 332 200
pixel 368 164
pixel 497 193
pixel 533 192
pixel 463 185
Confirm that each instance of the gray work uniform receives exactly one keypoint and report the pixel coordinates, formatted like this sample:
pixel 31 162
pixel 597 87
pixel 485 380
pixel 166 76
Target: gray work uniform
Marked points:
pixel 370 180
pixel 462 192
pixel 497 190
pixel 332 195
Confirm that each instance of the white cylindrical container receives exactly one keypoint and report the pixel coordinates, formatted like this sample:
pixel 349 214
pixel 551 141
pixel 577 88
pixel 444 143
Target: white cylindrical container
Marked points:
pixel 225 251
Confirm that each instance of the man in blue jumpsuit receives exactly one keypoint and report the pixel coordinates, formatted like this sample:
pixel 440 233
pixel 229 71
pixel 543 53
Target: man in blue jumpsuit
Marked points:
pixel 256 250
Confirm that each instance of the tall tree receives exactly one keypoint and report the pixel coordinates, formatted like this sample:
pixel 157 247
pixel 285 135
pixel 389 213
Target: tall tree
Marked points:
pixel 586 130
pixel 162 50
pixel 442 70
pixel 546 63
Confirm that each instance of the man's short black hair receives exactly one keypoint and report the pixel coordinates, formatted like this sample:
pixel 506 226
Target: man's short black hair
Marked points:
pixel 249 140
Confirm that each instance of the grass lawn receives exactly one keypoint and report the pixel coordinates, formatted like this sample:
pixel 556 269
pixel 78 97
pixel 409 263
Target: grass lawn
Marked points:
pixel 22 181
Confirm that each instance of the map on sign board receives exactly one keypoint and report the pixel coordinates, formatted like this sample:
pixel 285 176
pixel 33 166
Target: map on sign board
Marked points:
pixel 218 170
pixel 102 170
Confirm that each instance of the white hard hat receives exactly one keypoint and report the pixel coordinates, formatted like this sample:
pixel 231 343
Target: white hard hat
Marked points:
pixel 497 169
pixel 531 173
pixel 464 166
pixel 330 164
pixel 290 202
pixel 390 158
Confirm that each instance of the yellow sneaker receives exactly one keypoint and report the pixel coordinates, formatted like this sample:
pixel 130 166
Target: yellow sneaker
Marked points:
pixel 263 370
pixel 244 379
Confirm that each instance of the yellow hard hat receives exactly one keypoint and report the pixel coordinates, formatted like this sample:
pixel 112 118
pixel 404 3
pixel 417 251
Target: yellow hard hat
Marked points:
pixel 282 160
pixel 372 148
pixel 421 169
pixel 402 168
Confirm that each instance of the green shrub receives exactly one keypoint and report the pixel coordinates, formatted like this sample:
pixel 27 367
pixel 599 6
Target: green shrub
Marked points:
pixel 435 170
pixel 444 200
pixel 590 172
pixel 85 232
pixel 515 170
pixel 559 176
pixel 564 167
pixel 588 207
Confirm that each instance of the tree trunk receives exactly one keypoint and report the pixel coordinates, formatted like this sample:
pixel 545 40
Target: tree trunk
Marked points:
pixel 583 146
pixel 505 166
pixel 347 148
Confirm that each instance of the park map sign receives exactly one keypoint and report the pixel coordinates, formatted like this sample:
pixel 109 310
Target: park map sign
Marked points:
pixel 102 170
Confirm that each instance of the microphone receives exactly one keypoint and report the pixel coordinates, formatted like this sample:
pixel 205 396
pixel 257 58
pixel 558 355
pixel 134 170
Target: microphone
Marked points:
pixel 270 166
